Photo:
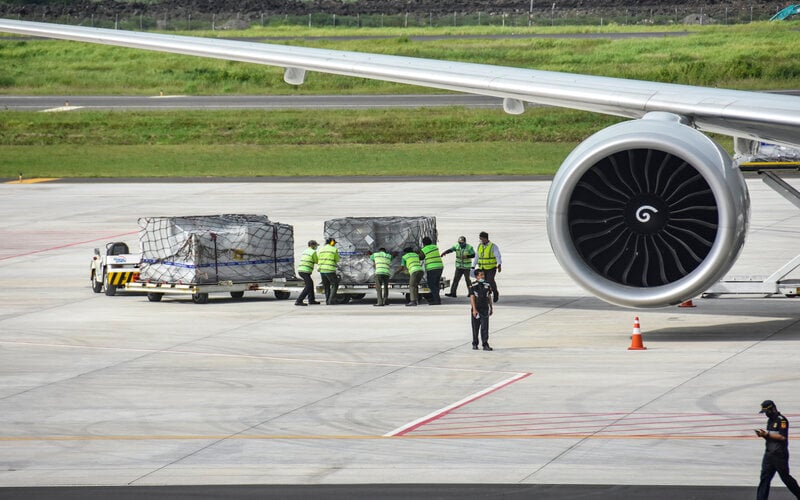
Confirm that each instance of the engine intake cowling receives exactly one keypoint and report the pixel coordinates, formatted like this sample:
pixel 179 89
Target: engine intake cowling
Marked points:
pixel 647 213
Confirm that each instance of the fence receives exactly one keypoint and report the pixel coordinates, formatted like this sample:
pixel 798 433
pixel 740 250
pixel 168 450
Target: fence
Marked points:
pixel 146 19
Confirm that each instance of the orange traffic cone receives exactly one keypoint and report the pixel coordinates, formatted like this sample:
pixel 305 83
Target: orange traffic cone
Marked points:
pixel 687 303
pixel 636 338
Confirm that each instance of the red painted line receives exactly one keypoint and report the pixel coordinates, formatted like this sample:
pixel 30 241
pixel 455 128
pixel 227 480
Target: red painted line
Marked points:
pixel 410 427
pixel 59 247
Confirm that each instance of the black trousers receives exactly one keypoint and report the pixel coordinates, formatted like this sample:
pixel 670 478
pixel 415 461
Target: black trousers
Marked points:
pixel 489 274
pixel 772 463
pixel 434 276
pixel 480 324
pixel 308 289
pixel 459 273
pixel 330 282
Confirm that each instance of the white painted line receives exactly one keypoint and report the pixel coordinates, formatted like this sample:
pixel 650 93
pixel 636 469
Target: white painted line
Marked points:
pixel 405 429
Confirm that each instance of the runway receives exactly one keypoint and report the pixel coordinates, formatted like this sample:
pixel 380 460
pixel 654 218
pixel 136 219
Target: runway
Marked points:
pixel 266 102
pixel 118 396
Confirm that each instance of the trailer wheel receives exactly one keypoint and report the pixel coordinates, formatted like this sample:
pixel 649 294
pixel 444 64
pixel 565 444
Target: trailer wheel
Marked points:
pixel 358 296
pixel 97 286
pixel 341 299
pixel 200 298
pixel 281 295
pixel 237 295
pixel 111 290
pixel 154 297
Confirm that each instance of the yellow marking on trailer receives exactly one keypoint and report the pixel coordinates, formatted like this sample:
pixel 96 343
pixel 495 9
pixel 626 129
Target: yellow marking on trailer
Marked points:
pixel 771 164
pixel 121 277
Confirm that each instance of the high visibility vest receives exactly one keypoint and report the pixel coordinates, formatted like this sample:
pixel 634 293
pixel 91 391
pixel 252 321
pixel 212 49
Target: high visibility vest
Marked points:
pixel 328 258
pixel 486 258
pixel 464 256
pixel 432 258
pixel 383 262
pixel 412 263
pixel 307 261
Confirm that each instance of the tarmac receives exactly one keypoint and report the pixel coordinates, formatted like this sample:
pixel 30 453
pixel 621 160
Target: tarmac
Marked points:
pixel 119 397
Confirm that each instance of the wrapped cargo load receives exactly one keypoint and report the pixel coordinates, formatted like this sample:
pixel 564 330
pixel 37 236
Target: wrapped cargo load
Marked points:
pixel 762 152
pixel 215 248
pixel 357 237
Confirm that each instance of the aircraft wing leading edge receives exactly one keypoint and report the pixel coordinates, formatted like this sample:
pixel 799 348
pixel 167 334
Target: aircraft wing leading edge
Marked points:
pixel 752 115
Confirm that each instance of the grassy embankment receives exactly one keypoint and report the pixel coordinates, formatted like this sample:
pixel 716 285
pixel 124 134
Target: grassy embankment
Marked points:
pixel 378 142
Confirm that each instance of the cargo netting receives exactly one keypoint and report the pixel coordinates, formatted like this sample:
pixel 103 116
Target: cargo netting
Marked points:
pixel 356 237
pixel 769 153
pixel 215 248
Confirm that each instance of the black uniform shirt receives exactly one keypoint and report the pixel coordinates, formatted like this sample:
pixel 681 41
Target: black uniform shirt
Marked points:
pixel 482 293
pixel 780 425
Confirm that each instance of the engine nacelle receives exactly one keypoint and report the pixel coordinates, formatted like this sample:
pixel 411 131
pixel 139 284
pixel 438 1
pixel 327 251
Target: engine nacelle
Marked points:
pixel 647 213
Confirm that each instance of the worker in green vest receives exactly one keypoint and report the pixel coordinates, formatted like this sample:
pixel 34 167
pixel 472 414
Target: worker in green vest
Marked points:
pixel 328 257
pixel 304 269
pixel 464 256
pixel 433 269
pixel 411 261
pixel 488 258
pixel 383 263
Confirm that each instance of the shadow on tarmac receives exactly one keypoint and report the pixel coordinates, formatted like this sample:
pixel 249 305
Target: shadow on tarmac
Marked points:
pixel 392 492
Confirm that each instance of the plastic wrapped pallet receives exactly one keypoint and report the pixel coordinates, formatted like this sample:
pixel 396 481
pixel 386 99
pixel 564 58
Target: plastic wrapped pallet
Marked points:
pixel 215 248
pixel 356 237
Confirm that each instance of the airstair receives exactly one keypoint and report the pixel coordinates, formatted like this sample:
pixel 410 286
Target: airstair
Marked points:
pixel 785 13
pixel 777 283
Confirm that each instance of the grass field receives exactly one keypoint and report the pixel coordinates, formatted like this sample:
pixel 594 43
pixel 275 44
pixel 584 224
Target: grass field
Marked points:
pixel 452 141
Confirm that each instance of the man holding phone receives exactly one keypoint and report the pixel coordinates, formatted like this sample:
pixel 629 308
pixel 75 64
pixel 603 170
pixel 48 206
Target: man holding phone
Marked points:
pixel 776 453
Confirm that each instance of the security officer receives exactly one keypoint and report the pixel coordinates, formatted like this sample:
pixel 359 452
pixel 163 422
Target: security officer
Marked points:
pixel 464 256
pixel 433 269
pixel 328 261
pixel 480 299
pixel 383 263
pixel 304 269
pixel 489 259
pixel 776 454
pixel 411 261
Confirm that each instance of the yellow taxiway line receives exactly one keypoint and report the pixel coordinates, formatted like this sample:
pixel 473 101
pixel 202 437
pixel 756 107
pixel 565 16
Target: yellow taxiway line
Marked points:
pixel 33 180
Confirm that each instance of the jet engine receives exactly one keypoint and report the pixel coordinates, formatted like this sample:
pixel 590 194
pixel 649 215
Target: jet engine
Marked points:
pixel 647 213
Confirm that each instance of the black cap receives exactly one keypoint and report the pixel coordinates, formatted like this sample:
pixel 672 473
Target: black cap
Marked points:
pixel 766 405
pixel 483 234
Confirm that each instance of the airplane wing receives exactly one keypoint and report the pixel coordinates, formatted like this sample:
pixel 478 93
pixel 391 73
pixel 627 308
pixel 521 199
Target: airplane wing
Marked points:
pixel 646 213
pixel 758 116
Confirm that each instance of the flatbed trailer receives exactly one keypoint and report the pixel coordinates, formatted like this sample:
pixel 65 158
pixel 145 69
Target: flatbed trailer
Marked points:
pixel 357 291
pixel 280 287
